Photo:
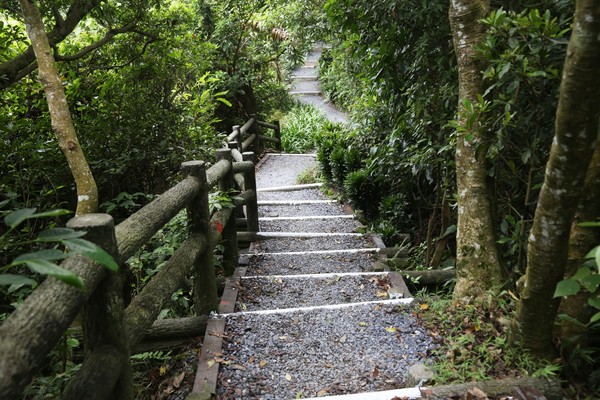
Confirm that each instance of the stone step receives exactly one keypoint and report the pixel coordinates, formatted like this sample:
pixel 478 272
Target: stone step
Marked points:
pixel 292 291
pixel 287 245
pixel 329 225
pixel 313 262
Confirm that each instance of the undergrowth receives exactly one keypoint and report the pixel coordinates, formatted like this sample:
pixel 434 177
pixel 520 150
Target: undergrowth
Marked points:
pixel 301 128
pixel 473 341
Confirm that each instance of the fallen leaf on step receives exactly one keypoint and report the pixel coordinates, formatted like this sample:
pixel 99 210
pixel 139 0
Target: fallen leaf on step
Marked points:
pixel 238 367
pixel 288 377
pixel 262 363
pixel 476 394
pixel 391 329
pixel 210 363
pixel 178 379
pixel 362 324
pixel 375 372
pixel 382 295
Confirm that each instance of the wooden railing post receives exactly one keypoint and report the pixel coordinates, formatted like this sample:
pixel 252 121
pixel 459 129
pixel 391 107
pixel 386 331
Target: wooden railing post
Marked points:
pixel 252 204
pixel 255 129
pixel 238 136
pixel 205 282
pixel 229 234
pixel 278 135
pixel 105 343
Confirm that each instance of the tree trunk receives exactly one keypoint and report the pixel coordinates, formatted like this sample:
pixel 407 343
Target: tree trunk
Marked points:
pixel 87 192
pixel 581 241
pixel 576 131
pixel 477 262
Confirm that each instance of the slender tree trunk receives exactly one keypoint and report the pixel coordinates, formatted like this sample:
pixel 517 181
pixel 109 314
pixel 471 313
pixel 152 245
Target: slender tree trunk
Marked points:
pixel 477 263
pixel 576 131
pixel 87 192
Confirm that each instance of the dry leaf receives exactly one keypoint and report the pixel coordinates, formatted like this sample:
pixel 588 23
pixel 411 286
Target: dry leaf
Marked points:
pixel 382 295
pixel 375 372
pixel 262 363
pixel 424 306
pixel 239 367
pixel 162 370
pixel 210 363
pixel 178 379
pixel 323 392
pixel 476 393
pixel 288 377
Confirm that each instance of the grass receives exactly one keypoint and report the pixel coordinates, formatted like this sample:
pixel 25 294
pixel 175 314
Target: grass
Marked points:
pixel 301 127
pixel 311 175
pixel 473 342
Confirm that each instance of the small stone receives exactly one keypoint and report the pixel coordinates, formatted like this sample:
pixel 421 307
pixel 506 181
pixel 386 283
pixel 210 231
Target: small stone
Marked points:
pixel 418 374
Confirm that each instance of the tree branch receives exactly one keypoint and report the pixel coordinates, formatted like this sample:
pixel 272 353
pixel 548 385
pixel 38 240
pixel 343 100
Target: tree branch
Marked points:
pixel 13 70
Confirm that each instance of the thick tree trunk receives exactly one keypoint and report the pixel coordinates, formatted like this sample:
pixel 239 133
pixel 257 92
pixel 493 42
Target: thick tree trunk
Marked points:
pixel 477 262
pixel 87 192
pixel 575 135
pixel 581 241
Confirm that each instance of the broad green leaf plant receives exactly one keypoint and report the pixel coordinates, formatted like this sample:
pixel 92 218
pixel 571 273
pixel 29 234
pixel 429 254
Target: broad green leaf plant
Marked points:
pixel 587 278
pixel 44 261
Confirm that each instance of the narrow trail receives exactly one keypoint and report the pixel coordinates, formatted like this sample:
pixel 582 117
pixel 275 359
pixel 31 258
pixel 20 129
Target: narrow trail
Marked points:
pixel 312 310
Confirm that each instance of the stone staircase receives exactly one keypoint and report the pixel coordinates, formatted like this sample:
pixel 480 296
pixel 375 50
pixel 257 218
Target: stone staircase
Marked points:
pixel 311 311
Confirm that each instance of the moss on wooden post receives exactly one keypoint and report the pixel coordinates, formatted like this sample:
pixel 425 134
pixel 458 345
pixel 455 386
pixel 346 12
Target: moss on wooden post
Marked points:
pixel 229 234
pixel 205 283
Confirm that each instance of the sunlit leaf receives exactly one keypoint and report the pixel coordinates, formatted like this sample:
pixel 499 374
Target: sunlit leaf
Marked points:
pixel 19 280
pixel 47 268
pixel 89 249
pixel 59 234
pixel 48 255
pixel 15 218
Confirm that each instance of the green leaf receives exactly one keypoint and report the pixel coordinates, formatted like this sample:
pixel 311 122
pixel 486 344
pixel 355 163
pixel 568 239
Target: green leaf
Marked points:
pixel 89 249
pixel 594 302
pixel 590 224
pixel 224 101
pixel 567 287
pixel 595 318
pixel 15 218
pixel 591 282
pixel 48 255
pixel 59 234
pixel 11 279
pixel 47 268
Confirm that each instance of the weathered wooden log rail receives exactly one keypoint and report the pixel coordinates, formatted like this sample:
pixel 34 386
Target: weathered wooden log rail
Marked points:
pixel 111 329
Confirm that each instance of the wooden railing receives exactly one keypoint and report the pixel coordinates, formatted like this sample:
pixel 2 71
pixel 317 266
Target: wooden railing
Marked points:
pixel 112 331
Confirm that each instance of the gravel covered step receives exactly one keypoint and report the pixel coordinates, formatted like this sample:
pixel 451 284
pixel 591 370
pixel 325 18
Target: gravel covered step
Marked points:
pixel 316 243
pixel 300 210
pixel 290 264
pixel 283 170
pixel 320 352
pixel 306 194
pixel 274 292
pixel 309 225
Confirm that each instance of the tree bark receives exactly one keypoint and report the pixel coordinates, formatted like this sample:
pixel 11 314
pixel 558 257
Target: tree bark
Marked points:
pixel 576 131
pixel 87 192
pixel 581 241
pixel 477 262
pixel 550 388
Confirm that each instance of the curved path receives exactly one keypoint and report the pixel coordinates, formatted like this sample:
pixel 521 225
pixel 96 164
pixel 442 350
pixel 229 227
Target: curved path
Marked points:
pixel 312 310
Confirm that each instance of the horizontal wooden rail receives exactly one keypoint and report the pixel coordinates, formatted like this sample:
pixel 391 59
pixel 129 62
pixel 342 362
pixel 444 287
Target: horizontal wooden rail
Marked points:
pixel 30 333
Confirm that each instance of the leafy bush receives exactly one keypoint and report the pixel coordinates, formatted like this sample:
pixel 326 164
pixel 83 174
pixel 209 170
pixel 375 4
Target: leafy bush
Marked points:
pixel 301 128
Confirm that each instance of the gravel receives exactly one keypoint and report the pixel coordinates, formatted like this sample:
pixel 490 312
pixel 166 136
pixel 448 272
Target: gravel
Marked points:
pixel 284 264
pixel 300 210
pixel 310 225
pixel 278 170
pixel 305 194
pixel 264 293
pixel 320 352
pixel 311 244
